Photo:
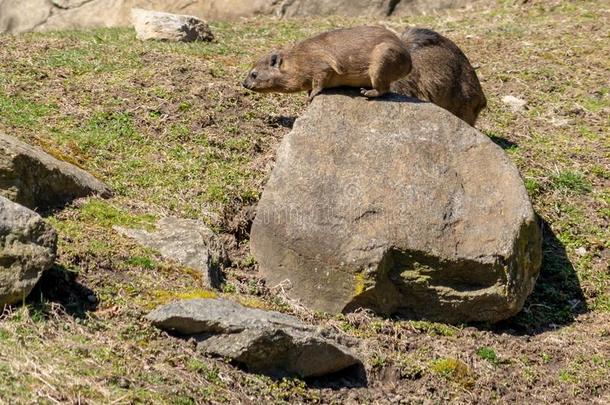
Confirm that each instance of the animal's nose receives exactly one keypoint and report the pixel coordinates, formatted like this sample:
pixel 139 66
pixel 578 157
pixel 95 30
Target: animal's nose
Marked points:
pixel 245 84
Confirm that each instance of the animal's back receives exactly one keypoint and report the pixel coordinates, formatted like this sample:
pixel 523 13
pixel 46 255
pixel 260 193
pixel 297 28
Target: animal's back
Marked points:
pixel 349 48
pixel 442 74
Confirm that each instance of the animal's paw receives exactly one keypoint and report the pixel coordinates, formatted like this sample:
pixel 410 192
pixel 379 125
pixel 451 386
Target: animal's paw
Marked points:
pixel 370 93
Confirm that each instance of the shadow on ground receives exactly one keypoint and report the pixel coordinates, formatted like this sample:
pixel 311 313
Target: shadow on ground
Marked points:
pixel 351 377
pixel 59 285
pixel 280 121
pixel 503 142
pixel 557 298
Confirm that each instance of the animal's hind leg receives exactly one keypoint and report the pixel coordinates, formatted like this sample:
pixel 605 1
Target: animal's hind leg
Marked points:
pixel 381 62
pixel 388 63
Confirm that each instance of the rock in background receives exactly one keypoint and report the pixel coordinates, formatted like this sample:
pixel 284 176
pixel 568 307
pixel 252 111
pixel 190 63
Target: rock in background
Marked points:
pixel 358 8
pixel 40 15
pixel 31 177
pixel 188 242
pixel 169 27
pixel 27 248
pixel 400 207
pixel 264 341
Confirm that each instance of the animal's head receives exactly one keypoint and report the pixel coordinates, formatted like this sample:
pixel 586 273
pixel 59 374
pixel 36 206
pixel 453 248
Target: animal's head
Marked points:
pixel 266 74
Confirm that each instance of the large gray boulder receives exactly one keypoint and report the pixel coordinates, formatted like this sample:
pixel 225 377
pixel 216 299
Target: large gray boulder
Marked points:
pixel 33 178
pixel 398 206
pixel 188 242
pixel 264 341
pixel 160 26
pixel 27 248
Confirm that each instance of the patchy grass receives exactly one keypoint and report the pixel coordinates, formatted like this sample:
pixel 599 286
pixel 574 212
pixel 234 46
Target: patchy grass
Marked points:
pixel 170 129
pixel 489 354
pixel 571 181
pixel 434 328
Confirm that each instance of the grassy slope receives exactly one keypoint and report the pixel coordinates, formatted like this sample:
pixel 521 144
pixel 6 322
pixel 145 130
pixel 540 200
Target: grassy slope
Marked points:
pixel 170 129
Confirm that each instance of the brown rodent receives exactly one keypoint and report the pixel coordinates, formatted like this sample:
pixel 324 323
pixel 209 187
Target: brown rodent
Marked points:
pixel 367 57
pixel 441 74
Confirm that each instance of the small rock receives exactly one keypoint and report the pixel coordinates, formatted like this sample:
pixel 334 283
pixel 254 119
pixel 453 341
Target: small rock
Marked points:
pixel 581 251
pixel 514 103
pixel 578 110
pixel 265 342
pixel 27 248
pixel 559 122
pixel 123 382
pixel 31 177
pixel 186 241
pixel 169 27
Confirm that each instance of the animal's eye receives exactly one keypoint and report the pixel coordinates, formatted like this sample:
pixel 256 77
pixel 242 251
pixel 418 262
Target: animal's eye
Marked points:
pixel 253 75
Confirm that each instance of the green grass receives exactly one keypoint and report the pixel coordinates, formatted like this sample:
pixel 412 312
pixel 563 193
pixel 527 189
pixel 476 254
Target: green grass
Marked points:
pixel 21 113
pixel 570 181
pixel 489 354
pixel 104 214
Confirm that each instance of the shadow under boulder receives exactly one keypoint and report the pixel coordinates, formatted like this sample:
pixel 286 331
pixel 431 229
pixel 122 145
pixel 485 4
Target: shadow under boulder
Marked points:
pixel 396 206
pixel 61 286
pixel 557 298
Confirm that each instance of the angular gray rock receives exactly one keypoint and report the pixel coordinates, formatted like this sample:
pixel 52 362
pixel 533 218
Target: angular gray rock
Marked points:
pixel 265 342
pixel 169 27
pixel 398 206
pixel 186 241
pixel 33 178
pixel 27 248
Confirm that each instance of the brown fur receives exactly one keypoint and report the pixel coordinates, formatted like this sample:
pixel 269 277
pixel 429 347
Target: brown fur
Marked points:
pixel 441 74
pixel 367 57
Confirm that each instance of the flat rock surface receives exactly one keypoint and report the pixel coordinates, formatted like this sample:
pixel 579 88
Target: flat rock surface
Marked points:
pixel 27 248
pixel 31 177
pixel 264 341
pixel 188 242
pixel 397 206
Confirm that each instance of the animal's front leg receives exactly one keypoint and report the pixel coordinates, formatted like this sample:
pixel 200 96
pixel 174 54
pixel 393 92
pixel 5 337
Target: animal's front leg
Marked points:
pixel 317 85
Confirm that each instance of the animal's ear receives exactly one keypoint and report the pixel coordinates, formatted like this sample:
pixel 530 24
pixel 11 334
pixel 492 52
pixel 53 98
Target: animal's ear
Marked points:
pixel 276 60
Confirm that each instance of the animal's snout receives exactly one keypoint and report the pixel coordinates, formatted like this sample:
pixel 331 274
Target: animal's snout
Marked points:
pixel 250 80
